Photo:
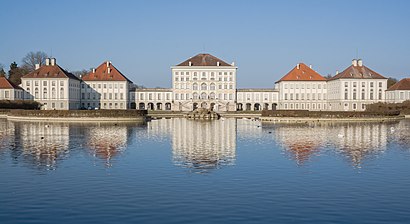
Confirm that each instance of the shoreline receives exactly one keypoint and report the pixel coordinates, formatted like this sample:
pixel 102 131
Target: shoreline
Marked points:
pixel 313 119
pixel 75 119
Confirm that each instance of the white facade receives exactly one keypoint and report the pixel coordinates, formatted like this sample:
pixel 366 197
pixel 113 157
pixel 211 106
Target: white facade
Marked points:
pixel 105 94
pixel 257 99
pixel 11 94
pixel 397 96
pixel 53 93
pixel 204 81
pixel 302 95
pixel 152 99
pixel 355 94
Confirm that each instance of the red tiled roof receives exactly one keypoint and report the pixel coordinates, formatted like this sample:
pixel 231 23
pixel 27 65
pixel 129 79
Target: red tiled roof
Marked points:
pixel 6 84
pixel 303 73
pixel 358 72
pixel 204 60
pixel 101 74
pixel 50 71
pixel 403 84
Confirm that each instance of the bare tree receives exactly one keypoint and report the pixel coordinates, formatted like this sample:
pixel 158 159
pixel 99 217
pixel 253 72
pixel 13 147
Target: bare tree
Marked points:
pixel 33 58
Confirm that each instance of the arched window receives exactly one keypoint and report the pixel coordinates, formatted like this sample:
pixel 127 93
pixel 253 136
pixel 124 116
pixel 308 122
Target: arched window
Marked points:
pixel 53 93
pixel 212 86
pixel 62 93
pixel 203 96
pixel 45 93
pixel 203 86
pixel 195 96
pixel 195 86
pixel 36 93
pixel 212 96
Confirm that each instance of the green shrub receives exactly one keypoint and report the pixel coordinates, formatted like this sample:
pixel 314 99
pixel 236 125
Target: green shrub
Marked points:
pixel 19 104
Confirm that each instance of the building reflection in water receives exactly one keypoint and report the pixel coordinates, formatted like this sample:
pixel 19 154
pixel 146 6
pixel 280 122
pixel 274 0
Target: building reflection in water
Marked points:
pixel 355 141
pixel 200 145
pixel 106 141
pixel 43 144
pixel 300 142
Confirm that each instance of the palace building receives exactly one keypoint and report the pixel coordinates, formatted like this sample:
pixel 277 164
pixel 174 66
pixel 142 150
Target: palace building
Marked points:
pixel 205 81
pixel 52 86
pixel 399 92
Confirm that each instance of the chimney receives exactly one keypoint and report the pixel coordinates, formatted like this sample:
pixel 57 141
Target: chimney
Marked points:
pixel 217 63
pixel 337 72
pixel 310 66
pixel 109 70
pixel 233 63
pixel 108 64
pixel 190 63
pixel 93 70
pixel 354 62
pixel 37 66
pixel 297 65
pixel 360 62
pixel 53 61
pixel 47 61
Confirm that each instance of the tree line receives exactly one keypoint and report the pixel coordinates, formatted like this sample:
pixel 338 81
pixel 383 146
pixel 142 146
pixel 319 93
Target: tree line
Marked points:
pixel 28 65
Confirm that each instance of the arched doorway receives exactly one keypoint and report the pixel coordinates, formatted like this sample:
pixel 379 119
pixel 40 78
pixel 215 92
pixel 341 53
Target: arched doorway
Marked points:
pixel 150 106
pixel 159 106
pixel 248 106
pixel 141 106
pixel 266 106
pixel 194 106
pixel 257 106
pixel 133 106
pixel 168 106
pixel 239 107
pixel 274 105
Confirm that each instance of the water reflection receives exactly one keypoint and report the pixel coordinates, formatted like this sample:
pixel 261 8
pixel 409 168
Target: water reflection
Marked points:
pixel 42 144
pixel 106 141
pixel 355 141
pixel 200 146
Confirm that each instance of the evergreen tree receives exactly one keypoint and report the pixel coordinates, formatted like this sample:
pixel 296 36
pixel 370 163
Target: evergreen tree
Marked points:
pixel 15 73
pixel 2 72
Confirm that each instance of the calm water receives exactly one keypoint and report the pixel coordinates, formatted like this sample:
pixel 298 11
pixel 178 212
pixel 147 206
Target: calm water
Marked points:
pixel 227 171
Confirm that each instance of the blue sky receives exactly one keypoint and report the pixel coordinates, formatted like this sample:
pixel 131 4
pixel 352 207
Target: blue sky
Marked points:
pixel 265 38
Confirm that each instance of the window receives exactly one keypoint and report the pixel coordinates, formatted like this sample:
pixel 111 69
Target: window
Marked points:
pixel 363 94
pixel 110 96
pixel 27 83
pixel 371 93
pixel 346 94
pixel 286 96
pixel 203 86
pixel 354 84
pixel 212 86
pixel 36 83
pixel 346 84
pixel 195 86
pixel 203 95
pixel 6 94
pixel 61 83
pixel 83 96
pixel 363 84
pixel 53 93
pixel 115 96
pixel 195 96
pixel 45 93
pixel 380 94
pixel 380 84
pixel 371 84
pixel 354 94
